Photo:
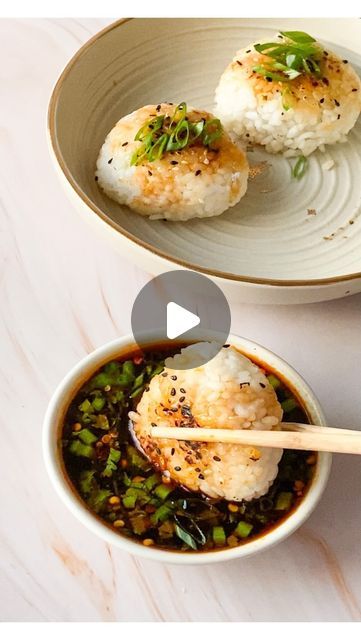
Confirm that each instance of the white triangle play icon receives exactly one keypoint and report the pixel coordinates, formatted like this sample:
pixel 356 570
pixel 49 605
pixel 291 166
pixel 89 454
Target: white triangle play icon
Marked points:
pixel 179 320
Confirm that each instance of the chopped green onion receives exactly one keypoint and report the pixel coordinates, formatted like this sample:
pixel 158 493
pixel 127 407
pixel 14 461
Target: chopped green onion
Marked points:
pixel 129 502
pixel 86 481
pixel 300 168
pixel 297 36
pixel 161 514
pixel 101 422
pixel 78 448
pixel 219 535
pixel 289 404
pixel 86 406
pixel 98 403
pixel 284 501
pixel 162 491
pixel 98 497
pixel 151 481
pixel 86 436
pixel 185 536
pixel 158 138
pixel 274 382
pixel 111 463
pixel 128 370
pixel 243 529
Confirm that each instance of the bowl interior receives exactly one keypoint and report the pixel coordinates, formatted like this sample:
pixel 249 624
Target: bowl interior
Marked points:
pixel 53 458
pixel 269 234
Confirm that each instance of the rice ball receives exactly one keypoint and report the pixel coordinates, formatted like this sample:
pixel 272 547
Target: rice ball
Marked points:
pixel 295 116
pixel 229 392
pixel 194 182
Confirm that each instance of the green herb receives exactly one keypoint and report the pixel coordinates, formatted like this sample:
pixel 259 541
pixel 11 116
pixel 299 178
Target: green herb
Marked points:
pixel 162 491
pixel 111 464
pixel 86 436
pixel 289 404
pixel 185 536
pixel 151 481
pixel 129 501
pixel 219 536
pixel 161 135
pixel 300 168
pixel 86 407
pixel 78 448
pixel 97 498
pixel 161 514
pixel 243 529
pixel 284 501
pixel 98 403
pixel 86 481
pixel 274 382
pixel 297 54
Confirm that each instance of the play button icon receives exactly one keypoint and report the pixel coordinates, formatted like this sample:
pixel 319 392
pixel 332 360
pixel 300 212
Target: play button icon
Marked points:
pixel 181 307
pixel 179 320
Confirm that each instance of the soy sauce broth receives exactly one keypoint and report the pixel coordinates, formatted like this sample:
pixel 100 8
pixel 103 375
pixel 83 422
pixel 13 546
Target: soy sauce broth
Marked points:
pixel 120 486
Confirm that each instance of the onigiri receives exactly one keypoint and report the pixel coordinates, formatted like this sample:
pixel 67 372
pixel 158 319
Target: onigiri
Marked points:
pixel 170 162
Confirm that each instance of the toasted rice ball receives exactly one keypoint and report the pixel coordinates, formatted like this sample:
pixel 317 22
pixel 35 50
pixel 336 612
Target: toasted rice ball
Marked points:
pixel 229 392
pixel 195 182
pixel 292 117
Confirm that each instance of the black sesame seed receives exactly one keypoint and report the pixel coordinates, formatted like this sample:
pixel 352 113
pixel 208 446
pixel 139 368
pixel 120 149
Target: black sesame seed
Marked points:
pixel 225 346
pixel 173 392
pixel 322 100
pixel 158 107
pixel 198 172
pixel 174 162
pixel 351 222
pixel 172 451
pixel 326 53
pixel 177 468
pixel 325 81
pixel 124 144
pixel 96 178
pixel 261 384
pixel 345 61
pixel 338 117
pixel 153 424
pixel 216 458
pixel 240 63
pixel 158 451
pixel 248 51
pixel 182 398
pixel 201 476
pixel 164 374
pixel 354 89
pixel 268 79
pixel 337 103
pixel 149 173
pixel 197 469
pixel 182 390
pixel 110 161
pixel 173 377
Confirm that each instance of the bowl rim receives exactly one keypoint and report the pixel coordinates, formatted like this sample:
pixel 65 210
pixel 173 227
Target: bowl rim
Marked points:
pixel 61 483
pixel 55 146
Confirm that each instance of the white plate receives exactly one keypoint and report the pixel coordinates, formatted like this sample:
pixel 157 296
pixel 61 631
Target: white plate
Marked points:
pixel 267 248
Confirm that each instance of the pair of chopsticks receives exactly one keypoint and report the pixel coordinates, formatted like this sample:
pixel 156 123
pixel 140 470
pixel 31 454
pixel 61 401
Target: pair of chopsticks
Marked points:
pixel 293 436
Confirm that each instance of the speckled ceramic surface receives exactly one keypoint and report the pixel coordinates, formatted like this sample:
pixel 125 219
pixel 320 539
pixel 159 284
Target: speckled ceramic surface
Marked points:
pixel 270 238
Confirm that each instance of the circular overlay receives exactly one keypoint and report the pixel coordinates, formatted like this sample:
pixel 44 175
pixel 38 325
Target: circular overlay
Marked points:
pixel 182 306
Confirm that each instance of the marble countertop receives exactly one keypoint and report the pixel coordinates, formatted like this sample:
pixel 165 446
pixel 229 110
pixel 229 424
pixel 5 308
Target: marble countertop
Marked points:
pixel 64 292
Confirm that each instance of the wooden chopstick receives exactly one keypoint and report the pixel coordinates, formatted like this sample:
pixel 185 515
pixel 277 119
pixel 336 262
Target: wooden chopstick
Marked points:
pixel 310 439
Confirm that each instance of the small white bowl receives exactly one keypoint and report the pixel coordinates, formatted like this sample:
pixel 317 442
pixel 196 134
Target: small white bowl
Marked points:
pixel 73 381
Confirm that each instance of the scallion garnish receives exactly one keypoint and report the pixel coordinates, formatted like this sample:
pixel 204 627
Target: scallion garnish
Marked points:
pixel 300 168
pixel 164 134
pixel 298 54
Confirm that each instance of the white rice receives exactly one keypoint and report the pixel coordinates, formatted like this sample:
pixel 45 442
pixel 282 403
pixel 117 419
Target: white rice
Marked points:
pixel 229 392
pixel 320 114
pixel 198 184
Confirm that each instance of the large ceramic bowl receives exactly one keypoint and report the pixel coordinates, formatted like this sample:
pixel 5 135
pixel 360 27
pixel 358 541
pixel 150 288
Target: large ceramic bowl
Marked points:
pixel 52 452
pixel 267 249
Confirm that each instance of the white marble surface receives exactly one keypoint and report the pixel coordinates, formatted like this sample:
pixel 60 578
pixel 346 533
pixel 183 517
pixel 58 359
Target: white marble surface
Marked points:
pixel 64 292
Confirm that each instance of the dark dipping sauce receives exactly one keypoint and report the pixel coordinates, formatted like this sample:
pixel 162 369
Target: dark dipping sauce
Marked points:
pixel 118 483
